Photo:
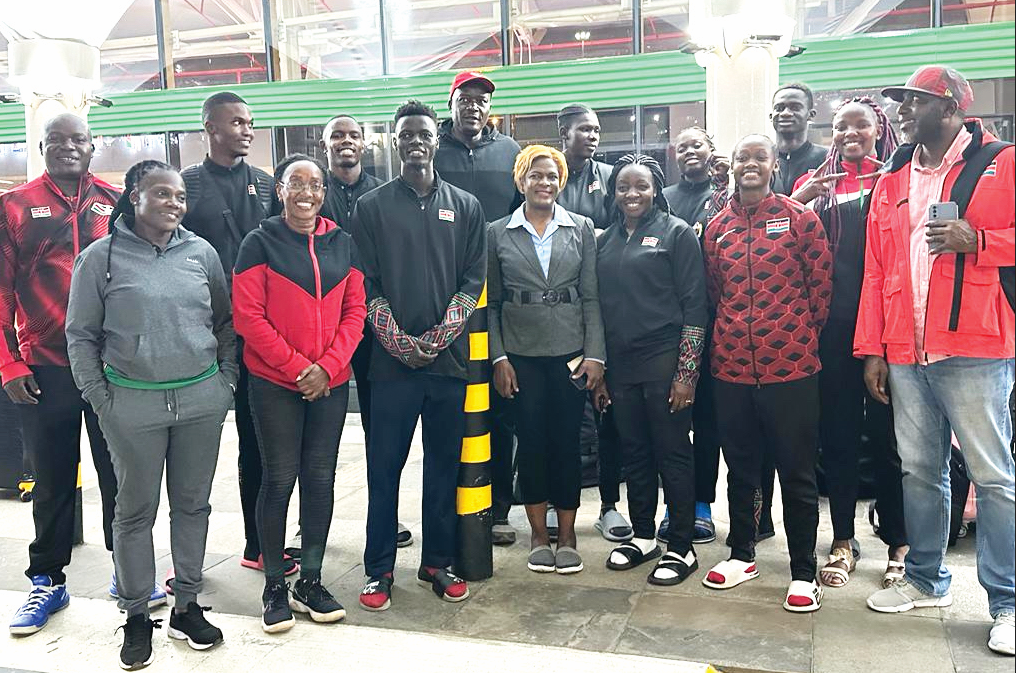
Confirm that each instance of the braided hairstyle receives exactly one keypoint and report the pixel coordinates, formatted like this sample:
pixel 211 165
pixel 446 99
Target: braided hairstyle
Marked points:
pixel 884 147
pixel 658 182
pixel 124 208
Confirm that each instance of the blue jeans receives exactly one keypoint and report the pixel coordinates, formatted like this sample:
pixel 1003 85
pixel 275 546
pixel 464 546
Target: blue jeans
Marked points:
pixel 968 396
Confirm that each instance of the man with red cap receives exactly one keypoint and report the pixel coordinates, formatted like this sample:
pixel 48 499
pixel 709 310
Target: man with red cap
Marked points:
pixel 936 327
pixel 475 157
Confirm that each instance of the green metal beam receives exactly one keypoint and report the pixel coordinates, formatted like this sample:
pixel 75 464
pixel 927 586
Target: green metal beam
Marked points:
pixel 854 62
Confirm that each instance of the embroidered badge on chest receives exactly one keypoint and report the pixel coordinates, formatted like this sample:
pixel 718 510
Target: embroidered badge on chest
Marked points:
pixel 594 186
pixel 252 190
pixel 446 215
pixel 778 226
pixel 650 241
pixel 41 211
pixel 990 170
pixel 101 208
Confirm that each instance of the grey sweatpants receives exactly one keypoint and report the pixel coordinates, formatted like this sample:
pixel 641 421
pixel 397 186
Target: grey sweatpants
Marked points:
pixel 146 430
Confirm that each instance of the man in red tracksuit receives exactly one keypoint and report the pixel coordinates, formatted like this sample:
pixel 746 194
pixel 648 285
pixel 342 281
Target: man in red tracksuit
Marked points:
pixel 936 326
pixel 44 224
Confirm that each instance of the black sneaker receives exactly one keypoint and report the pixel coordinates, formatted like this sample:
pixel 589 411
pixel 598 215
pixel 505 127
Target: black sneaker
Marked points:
pixel 276 616
pixel 137 642
pixel 194 628
pixel 311 598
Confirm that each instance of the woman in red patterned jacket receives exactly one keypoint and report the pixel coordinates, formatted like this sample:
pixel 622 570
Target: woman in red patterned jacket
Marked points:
pixel 298 303
pixel 769 276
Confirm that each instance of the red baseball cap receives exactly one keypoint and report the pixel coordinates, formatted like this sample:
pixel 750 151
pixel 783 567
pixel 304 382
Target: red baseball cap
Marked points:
pixel 937 80
pixel 467 76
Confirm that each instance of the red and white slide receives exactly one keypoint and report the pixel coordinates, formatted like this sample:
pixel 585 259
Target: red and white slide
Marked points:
pixel 803 597
pixel 728 574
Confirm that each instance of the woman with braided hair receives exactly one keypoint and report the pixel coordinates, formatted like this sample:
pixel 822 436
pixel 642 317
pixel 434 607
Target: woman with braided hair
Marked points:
pixel 152 349
pixel 862 139
pixel 653 300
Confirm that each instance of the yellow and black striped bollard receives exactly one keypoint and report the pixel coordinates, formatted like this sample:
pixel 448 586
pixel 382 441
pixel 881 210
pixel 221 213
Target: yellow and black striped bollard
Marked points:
pixel 473 496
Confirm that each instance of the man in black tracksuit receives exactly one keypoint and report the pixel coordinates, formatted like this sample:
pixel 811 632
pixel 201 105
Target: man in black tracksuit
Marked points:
pixel 226 199
pixel 423 243
pixel 473 156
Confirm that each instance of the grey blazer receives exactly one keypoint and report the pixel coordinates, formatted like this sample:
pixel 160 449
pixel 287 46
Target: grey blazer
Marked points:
pixel 543 329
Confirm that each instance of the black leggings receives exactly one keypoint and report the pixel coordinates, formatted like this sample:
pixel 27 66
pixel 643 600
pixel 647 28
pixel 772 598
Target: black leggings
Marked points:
pixel 297 439
pixel 549 415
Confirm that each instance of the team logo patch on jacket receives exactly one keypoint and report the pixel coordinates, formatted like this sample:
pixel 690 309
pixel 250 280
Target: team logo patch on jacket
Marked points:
pixel 102 208
pixel 778 226
pixel 252 190
pixel 650 241
pixel 41 211
pixel 990 170
pixel 594 186
pixel 446 215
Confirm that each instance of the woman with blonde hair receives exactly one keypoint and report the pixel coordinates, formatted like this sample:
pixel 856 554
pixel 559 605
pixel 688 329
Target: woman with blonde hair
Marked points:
pixel 546 343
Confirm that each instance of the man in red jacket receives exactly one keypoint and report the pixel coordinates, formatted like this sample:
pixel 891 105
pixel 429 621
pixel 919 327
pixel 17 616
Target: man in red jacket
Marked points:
pixel 44 224
pixel 935 325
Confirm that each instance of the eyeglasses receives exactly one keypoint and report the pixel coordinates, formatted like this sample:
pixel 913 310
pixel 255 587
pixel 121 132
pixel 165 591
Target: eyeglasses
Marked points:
pixel 314 186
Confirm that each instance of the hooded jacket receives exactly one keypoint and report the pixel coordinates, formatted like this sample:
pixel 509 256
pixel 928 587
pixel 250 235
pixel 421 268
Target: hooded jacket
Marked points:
pixel 969 291
pixel 152 315
pixel 298 300
pixel 485 171
pixel 41 232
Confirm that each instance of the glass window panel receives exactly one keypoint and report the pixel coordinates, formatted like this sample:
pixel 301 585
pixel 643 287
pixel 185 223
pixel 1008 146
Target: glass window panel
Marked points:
pixel 115 154
pixel 339 40
pixel 130 55
pixel 377 153
pixel 426 35
pixel 661 124
pixel 617 132
pixel 210 45
pixel 193 147
pixel 817 18
pixel 5 85
pixel 664 25
pixel 955 12
pixel 559 30
pixel 13 165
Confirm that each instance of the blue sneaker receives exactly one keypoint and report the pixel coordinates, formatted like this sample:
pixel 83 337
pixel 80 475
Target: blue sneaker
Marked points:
pixel 44 599
pixel 157 598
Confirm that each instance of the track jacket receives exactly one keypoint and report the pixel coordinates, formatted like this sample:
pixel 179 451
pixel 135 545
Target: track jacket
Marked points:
pixel 41 232
pixel 769 274
pixel 485 171
pixel 298 300
pixel 984 320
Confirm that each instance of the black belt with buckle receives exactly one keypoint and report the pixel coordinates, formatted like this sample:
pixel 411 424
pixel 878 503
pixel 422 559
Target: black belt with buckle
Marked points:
pixel 549 297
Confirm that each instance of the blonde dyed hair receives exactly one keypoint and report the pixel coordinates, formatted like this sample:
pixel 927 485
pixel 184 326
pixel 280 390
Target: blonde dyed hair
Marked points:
pixel 530 153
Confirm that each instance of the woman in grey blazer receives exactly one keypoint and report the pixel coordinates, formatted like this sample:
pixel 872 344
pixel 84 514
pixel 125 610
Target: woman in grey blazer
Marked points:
pixel 546 343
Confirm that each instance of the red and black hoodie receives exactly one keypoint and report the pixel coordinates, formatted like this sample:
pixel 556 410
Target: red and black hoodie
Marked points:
pixel 41 232
pixel 298 300
pixel 769 275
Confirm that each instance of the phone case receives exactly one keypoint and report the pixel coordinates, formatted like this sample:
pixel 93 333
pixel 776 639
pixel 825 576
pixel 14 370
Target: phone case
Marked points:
pixel 947 210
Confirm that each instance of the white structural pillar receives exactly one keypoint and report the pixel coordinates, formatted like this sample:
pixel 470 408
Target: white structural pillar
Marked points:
pixel 740 43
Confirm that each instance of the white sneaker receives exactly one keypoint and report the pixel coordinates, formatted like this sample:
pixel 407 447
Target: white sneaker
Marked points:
pixel 903 596
pixel 1003 634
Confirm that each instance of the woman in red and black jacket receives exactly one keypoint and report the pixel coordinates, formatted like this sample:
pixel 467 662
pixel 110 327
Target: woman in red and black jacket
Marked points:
pixel 298 303
pixel 769 275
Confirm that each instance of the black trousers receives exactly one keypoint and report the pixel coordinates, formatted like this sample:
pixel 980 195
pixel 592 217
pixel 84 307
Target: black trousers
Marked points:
pixel 608 458
pixel 52 434
pixel 297 439
pixel 706 435
pixel 249 459
pixel 655 447
pixel 549 418
pixel 361 370
pixel 784 417
pixel 847 412
pixel 502 450
pixel 397 405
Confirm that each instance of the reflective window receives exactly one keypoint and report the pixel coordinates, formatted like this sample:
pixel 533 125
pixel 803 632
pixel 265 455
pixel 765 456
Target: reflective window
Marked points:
pixel 5 85
pixel 661 124
pixel 115 154
pixel 130 55
pixel 13 165
pixel 192 147
pixel 818 18
pixel 377 156
pixel 664 25
pixel 956 12
pixel 340 39
pixel 426 35
pixel 212 46
pixel 560 30
pixel 617 132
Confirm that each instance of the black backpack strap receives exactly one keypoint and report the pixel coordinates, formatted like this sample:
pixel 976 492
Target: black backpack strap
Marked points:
pixel 960 194
pixel 192 182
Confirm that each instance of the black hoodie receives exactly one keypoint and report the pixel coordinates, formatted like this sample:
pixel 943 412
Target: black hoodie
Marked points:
pixel 484 171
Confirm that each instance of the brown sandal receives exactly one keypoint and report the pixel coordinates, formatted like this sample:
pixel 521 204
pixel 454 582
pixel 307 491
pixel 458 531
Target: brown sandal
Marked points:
pixel 841 563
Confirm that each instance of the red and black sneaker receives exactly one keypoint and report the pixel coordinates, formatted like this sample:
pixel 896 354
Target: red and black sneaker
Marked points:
pixel 446 585
pixel 376 594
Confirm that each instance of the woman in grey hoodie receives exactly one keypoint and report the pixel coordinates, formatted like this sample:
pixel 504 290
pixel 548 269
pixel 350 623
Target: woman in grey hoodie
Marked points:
pixel 152 349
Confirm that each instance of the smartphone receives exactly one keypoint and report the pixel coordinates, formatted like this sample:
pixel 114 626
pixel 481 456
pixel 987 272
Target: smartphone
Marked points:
pixel 947 210
pixel 573 365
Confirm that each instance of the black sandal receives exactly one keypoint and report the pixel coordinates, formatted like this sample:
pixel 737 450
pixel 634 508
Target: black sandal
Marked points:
pixel 634 555
pixel 672 562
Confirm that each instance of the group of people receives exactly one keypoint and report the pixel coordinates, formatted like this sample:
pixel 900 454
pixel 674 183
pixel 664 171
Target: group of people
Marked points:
pixel 787 313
